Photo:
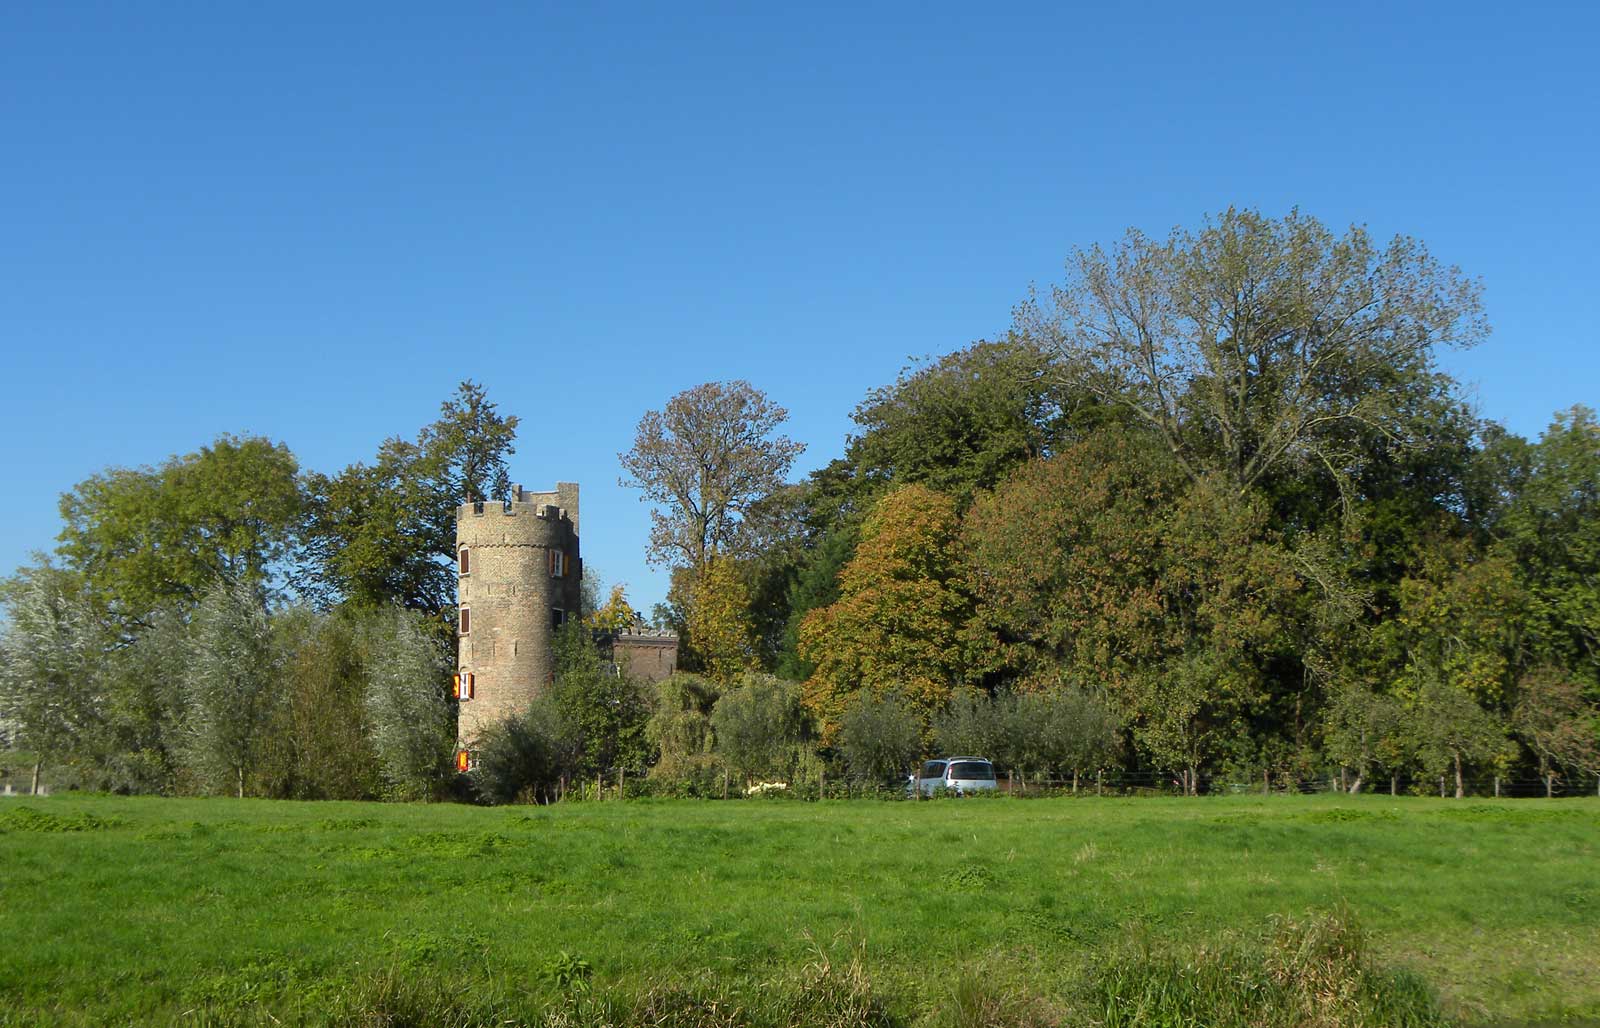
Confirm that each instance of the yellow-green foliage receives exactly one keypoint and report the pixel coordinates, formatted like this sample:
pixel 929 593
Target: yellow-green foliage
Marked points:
pixel 898 623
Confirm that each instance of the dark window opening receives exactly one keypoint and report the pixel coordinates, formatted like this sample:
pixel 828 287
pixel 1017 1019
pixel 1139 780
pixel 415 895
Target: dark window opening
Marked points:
pixel 466 620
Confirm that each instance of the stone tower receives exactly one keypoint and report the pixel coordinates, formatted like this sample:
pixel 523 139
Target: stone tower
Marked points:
pixel 520 576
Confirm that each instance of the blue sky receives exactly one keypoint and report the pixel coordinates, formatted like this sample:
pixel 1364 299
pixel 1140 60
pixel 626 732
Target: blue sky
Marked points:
pixel 310 222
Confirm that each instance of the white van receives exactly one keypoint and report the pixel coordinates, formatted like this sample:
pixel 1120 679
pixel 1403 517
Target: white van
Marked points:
pixel 955 774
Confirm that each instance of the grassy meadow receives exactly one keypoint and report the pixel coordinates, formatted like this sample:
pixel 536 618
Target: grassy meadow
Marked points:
pixel 1240 910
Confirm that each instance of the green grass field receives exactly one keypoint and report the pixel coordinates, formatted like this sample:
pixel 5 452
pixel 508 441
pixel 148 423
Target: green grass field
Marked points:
pixel 151 910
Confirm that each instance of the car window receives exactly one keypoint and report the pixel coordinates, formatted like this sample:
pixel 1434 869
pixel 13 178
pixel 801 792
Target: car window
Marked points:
pixel 972 770
pixel 933 769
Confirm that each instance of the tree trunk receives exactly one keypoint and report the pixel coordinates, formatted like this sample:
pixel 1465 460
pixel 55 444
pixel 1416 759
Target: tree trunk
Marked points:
pixel 1355 786
pixel 1194 781
pixel 240 772
pixel 1266 782
pixel 1496 786
pixel 1394 785
pixel 1343 786
pixel 1074 781
pixel 37 766
pixel 1441 787
pixel 1100 783
pixel 1461 790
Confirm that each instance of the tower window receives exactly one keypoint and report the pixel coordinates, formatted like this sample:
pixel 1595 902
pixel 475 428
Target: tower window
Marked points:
pixel 558 564
pixel 466 621
pixel 558 617
pixel 464 561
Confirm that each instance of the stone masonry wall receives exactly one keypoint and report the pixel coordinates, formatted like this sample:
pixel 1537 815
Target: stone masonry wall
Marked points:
pixel 509 596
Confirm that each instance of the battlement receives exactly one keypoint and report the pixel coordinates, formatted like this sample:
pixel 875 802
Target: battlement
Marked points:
pixel 559 504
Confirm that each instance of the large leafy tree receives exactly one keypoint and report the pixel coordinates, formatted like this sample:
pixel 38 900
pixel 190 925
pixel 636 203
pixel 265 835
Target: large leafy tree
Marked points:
pixel 148 537
pixel 1552 528
pixel 902 609
pixel 384 533
pixel 1462 618
pixel 718 622
pixel 962 422
pixel 1058 559
pixel 957 424
pixel 1102 565
pixel 1255 343
pixel 702 463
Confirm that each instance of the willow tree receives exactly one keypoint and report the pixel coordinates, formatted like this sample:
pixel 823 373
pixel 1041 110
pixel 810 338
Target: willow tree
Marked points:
pixel 233 686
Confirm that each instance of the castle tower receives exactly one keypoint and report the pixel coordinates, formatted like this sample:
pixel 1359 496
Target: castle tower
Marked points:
pixel 520 576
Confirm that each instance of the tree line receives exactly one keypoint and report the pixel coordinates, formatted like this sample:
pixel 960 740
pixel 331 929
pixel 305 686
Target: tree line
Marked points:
pixel 1216 483
pixel 1209 509
pixel 228 622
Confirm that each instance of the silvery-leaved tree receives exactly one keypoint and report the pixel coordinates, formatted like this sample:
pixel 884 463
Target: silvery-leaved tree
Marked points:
pixel 49 656
pixel 880 736
pixel 232 685
pixel 412 730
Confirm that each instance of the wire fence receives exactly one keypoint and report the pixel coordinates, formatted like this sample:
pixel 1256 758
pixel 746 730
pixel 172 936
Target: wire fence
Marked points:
pixel 617 784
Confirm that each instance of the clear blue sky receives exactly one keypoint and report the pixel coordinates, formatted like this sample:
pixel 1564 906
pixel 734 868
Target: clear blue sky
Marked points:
pixel 311 222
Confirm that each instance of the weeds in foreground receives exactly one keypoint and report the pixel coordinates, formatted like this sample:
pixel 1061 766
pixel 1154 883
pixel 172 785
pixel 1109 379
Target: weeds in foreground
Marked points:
pixel 1311 972
pixel 1314 973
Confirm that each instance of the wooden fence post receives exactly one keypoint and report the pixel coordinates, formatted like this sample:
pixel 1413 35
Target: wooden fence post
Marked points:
pixel 1100 782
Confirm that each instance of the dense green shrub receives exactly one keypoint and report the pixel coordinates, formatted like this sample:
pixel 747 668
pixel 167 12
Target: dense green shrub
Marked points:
pixel 758 725
pixel 880 736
